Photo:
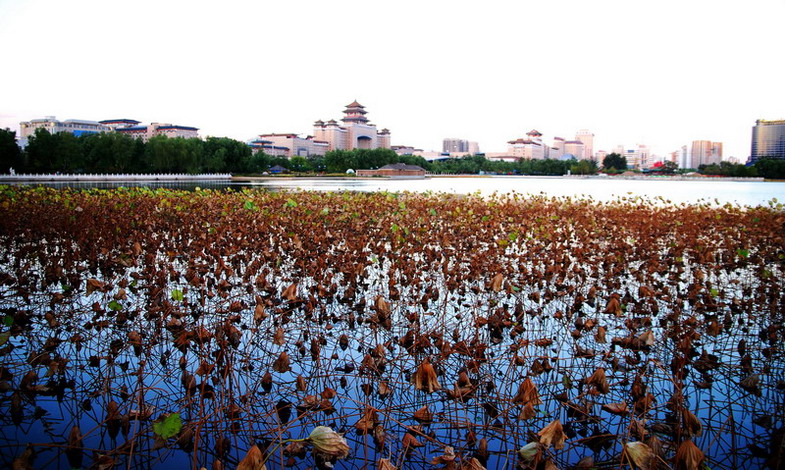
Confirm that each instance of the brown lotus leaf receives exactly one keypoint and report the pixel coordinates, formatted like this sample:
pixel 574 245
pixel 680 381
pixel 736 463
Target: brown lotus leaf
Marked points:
pixel 423 415
pixel 301 384
pixel 688 456
pixel 290 293
pixel 385 464
pixel 253 460
pixel 278 337
pixel 527 393
pixel 690 423
pixel 613 306
pixel 646 338
pixel 282 363
pixel 259 313
pixel 585 463
pixel 382 306
pixel 74 450
pixel 553 434
pixel 409 442
pixel 527 412
pixel 328 393
pixel 599 336
pixel 640 454
pixel 425 379
pixel 620 409
pixel 751 384
pixel 473 464
pixel 496 282
pixel 482 449
pixel 599 381
pixel 383 390
pixel 368 421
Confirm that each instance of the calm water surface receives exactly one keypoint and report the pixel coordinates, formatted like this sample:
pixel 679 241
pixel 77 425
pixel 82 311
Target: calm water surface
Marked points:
pixel 744 193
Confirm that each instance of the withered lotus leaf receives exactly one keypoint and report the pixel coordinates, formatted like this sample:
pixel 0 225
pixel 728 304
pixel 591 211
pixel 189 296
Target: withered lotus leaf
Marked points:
pixel 253 460
pixel 368 421
pixel 278 337
pixel 688 456
pixel 74 450
pixel 474 464
pixel 282 363
pixel 496 282
pixel 328 443
pixel 617 408
pixel 409 441
pixel 385 464
pixel 527 393
pixel 423 415
pixel 301 384
pixel 640 454
pixel 425 379
pixel 552 434
pixel 290 293
pixel 599 381
pixel 690 423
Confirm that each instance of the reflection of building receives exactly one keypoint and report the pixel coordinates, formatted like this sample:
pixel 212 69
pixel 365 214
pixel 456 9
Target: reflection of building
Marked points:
pixel 705 152
pixel 768 140
pixel 355 133
pixel 395 170
pixel 53 126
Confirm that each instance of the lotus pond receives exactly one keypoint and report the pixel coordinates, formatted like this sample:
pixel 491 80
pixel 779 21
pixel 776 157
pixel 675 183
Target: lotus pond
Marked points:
pixel 208 329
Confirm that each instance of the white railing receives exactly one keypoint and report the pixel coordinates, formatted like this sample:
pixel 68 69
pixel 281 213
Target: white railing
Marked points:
pixel 115 177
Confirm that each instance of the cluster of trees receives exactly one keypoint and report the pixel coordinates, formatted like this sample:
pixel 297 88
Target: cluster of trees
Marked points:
pixel 119 153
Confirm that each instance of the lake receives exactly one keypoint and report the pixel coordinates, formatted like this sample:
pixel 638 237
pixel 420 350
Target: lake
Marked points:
pixel 603 189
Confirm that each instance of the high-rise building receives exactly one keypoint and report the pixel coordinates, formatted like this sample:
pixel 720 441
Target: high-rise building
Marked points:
pixel 53 126
pixel 455 145
pixel 705 152
pixel 576 148
pixel 768 140
pixel 587 138
pixel 474 148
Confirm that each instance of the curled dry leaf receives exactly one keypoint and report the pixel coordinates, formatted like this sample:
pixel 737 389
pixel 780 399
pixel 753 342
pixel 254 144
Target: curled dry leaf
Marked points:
pixel 688 456
pixel 423 415
pixel 527 393
pixel 425 378
pixel 328 443
pixel 385 464
pixel 253 460
pixel 553 434
pixel 640 454
pixel 599 381
pixel 282 363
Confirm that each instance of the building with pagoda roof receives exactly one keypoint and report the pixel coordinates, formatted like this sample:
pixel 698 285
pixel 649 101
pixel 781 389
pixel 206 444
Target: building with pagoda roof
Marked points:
pixel 354 132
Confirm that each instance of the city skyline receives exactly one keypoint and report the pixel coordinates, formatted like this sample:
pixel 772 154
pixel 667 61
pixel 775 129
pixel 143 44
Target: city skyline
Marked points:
pixel 629 73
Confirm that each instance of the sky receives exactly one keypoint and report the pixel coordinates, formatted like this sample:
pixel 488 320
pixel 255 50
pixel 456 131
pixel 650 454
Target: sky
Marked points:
pixel 661 73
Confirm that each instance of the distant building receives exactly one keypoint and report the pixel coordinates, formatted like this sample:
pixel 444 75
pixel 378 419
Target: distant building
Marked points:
pixel 450 145
pixel 531 148
pixel 125 126
pixel 576 148
pixel 155 129
pixel 705 152
pixel 76 127
pixel 356 132
pixel 558 147
pixel 291 145
pixel 768 140
pixel 268 147
pixel 587 138
pixel 460 147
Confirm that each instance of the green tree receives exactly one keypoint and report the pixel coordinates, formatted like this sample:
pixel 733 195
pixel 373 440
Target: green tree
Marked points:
pixel 770 168
pixel 615 161
pixel 584 167
pixel 10 154
pixel 46 153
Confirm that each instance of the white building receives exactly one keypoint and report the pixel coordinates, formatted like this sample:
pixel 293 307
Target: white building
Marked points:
pixel 155 129
pixel 356 132
pixel 587 138
pixel 290 145
pixel 53 126
pixel 531 148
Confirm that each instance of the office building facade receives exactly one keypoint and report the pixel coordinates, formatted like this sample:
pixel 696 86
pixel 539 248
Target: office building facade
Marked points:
pixel 768 140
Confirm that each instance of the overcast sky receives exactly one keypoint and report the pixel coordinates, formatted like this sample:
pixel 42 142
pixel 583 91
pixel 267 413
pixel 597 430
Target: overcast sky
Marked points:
pixel 662 73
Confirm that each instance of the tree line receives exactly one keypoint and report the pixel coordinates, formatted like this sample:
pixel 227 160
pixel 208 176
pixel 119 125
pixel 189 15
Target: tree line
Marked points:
pixel 119 153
